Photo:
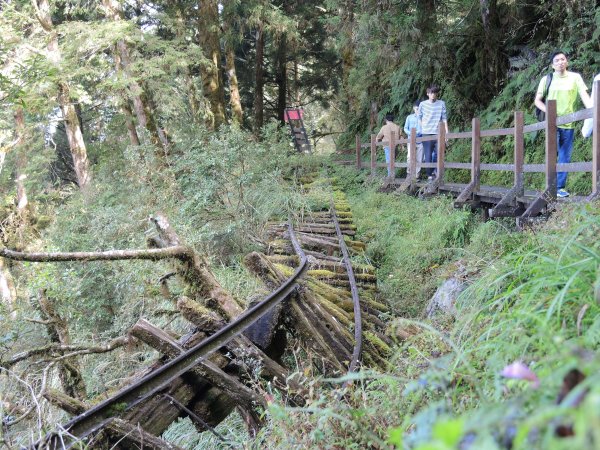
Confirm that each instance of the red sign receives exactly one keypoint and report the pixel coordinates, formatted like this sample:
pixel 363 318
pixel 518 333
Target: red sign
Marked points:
pixel 293 114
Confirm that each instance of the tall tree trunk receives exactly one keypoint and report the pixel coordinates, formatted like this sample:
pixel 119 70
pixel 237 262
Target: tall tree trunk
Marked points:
pixel 72 126
pixel 259 81
pixel 347 52
pixel 144 113
pixel 209 36
pixel 281 78
pixel 22 200
pixel 234 90
pixel 130 123
pixel 8 293
pixel 180 31
pixel 74 136
pixel 492 60
pixel 235 101
pixel 426 17
pixel 296 98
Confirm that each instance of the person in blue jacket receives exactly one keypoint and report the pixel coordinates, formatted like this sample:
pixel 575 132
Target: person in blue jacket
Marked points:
pixel 412 121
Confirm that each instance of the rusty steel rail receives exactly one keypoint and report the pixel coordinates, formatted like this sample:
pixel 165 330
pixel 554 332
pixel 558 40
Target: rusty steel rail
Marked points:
pixel 356 353
pixel 100 415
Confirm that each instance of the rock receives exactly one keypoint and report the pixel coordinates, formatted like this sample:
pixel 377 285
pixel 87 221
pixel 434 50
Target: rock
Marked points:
pixel 445 297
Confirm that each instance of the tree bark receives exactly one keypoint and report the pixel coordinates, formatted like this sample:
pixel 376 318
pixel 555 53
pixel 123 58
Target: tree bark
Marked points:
pixel 8 293
pixel 426 17
pixel 234 90
pixel 144 112
pixel 130 123
pixel 259 80
pixel 22 200
pixel 72 125
pixel 492 60
pixel 347 52
pixel 281 78
pixel 209 37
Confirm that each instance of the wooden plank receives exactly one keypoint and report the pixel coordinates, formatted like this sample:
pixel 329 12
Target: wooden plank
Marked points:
pixel 412 156
pixel 441 148
pixel 358 160
pixel 373 154
pixel 498 132
pixel 551 149
pixel 519 147
pixel 476 154
pixel 461 135
pixel 393 155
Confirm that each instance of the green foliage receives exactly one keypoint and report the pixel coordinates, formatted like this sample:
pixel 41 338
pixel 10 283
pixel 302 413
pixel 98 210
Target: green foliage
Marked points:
pixel 409 241
pixel 534 301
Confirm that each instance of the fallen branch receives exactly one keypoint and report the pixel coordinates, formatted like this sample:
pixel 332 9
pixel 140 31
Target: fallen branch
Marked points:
pixel 177 251
pixel 59 348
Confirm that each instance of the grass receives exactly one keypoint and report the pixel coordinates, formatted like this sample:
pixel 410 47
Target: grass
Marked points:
pixel 533 297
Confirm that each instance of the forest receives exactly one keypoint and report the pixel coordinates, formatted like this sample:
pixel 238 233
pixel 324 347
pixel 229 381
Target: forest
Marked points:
pixel 149 193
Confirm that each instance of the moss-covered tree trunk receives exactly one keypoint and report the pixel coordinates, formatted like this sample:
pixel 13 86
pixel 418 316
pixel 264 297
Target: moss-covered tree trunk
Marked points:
pixel 144 113
pixel 234 89
pixel 281 77
pixel 72 125
pixel 209 37
pixel 259 80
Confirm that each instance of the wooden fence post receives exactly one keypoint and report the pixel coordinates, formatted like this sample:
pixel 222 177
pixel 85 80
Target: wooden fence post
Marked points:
pixel 358 160
pixel 596 140
pixel 373 155
pixel 519 153
pixel 393 156
pixel 476 154
pixel 441 150
pixel 412 157
pixel 551 149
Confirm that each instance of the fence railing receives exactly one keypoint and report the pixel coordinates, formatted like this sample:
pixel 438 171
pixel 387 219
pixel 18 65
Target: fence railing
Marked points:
pixel 518 167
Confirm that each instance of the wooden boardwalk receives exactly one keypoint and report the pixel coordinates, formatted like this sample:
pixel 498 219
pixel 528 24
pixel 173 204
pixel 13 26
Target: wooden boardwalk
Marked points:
pixel 496 201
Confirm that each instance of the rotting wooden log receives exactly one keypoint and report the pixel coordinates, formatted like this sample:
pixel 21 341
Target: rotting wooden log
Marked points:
pixel 156 338
pixel 316 263
pixel 323 274
pixel 65 402
pixel 326 325
pixel 312 337
pixel 205 319
pixel 161 341
pixel 241 346
pixel 314 333
pixel 132 436
pixel 319 224
pixel 262 267
pixel 156 415
pixel 194 270
pixel 120 430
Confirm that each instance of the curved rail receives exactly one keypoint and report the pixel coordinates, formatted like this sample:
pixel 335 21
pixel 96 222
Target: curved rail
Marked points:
pixel 356 353
pixel 100 415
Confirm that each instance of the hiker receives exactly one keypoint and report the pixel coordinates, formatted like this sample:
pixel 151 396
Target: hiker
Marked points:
pixel 385 134
pixel 563 87
pixel 412 121
pixel 431 113
pixel 586 130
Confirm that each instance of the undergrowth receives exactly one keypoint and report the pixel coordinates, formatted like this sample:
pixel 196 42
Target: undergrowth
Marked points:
pixel 532 298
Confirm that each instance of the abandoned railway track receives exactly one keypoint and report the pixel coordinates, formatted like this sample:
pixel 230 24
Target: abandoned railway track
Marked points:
pixel 331 309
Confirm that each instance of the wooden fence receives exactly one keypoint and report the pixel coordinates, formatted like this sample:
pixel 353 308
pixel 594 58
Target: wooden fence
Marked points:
pixel 514 201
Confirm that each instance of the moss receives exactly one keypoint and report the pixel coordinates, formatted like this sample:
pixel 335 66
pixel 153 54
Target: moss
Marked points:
pixel 376 342
pixel 322 273
pixel 286 270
